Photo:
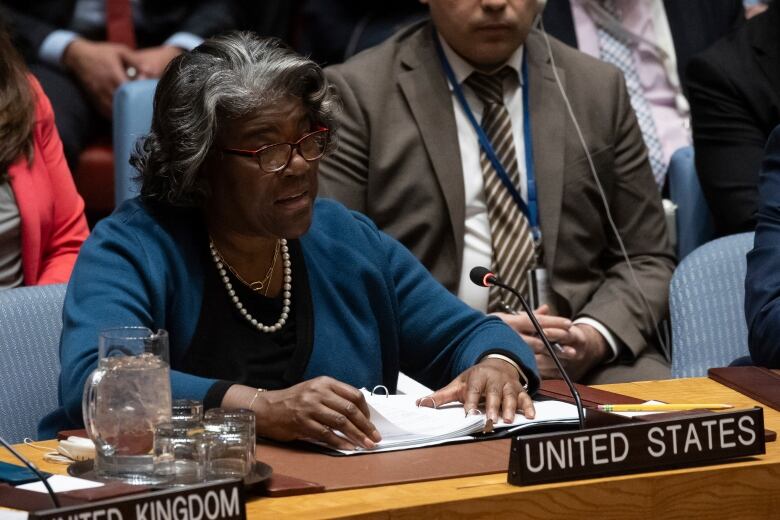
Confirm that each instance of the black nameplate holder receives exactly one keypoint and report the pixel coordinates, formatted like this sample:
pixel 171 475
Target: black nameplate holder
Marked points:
pixel 682 441
pixel 221 500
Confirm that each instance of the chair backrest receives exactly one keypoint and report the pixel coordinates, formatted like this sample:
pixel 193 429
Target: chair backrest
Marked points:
pixel 707 303
pixel 30 326
pixel 132 119
pixel 694 220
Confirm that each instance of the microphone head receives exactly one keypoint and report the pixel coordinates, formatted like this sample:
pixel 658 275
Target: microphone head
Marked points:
pixel 482 276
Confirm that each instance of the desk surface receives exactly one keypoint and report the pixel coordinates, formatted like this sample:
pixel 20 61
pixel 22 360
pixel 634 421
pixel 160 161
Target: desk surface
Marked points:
pixel 745 489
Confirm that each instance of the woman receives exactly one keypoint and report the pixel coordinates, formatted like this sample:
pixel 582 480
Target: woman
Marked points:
pixel 42 222
pixel 273 301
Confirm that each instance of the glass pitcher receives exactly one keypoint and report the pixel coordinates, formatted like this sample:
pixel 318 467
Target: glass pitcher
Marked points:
pixel 125 397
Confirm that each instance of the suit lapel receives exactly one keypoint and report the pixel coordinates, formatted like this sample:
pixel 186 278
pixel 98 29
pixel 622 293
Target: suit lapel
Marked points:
pixel 548 124
pixel 424 85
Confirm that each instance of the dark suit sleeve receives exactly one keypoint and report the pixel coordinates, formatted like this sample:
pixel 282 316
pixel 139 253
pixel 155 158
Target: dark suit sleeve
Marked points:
pixel 635 205
pixel 210 17
pixel 729 144
pixel 343 173
pixel 762 284
pixel 28 31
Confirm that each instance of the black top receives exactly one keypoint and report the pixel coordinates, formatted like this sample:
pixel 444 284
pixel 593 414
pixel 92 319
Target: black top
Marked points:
pixel 226 346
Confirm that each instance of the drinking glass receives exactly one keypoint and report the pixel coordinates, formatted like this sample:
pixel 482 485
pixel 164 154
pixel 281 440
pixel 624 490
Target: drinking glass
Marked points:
pixel 231 451
pixel 180 449
pixel 125 397
pixel 186 410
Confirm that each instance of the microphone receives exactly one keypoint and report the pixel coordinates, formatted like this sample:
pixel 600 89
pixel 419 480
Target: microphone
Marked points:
pixel 483 277
pixel 32 468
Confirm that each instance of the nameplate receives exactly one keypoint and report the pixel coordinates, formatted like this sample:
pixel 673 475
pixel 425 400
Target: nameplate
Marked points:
pixel 222 500
pixel 688 440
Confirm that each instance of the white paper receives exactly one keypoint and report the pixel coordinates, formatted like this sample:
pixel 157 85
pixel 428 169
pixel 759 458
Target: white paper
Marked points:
pixel 404 425
pixel 60 483
pixel 7 514
pixel 408 386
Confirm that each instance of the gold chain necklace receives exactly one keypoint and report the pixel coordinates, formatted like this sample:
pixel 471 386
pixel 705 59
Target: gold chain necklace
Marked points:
pixel 220 264
pixel 261 285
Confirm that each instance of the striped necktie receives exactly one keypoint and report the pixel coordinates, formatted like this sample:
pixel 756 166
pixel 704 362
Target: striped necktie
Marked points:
pixel 510 232
pixel 617 52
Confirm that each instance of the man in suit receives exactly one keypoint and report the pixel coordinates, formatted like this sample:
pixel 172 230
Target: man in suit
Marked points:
pixel 83 50
pixel 734 89
pixel 762 284
pixel 409 158
pixel 659 37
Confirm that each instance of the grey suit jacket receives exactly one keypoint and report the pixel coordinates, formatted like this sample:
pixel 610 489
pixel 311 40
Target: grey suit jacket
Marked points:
pixel 398 161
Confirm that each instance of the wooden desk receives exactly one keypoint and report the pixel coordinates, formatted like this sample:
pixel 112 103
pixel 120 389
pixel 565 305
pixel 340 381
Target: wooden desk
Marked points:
pixel 741 490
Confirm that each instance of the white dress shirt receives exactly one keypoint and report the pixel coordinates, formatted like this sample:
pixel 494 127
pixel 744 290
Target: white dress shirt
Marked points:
pixel 477 247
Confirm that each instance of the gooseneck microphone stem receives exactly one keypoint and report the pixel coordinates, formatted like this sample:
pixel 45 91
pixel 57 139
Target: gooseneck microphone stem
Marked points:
pixel 32 468
pixel 484 278
pixel 575 394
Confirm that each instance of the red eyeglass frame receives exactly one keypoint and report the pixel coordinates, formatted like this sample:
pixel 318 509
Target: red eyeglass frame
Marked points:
pixel 293 147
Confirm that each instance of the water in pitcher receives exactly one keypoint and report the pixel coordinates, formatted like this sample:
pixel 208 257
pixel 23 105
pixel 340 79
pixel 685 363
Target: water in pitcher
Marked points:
pixel 134 395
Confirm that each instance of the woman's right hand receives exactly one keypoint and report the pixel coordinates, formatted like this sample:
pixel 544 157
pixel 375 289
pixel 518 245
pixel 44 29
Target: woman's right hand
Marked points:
pixel 312 410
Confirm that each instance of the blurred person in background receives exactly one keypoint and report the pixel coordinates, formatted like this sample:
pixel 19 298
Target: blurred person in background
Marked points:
pixel 42 222
pixel 651 42
pixel 81 51
pixel 734 89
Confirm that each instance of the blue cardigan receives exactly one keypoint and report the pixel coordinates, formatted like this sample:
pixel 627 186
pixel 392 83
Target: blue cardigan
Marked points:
pixel 377 310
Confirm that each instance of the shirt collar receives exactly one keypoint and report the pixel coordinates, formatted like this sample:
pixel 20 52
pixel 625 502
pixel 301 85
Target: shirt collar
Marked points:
pixel 463 69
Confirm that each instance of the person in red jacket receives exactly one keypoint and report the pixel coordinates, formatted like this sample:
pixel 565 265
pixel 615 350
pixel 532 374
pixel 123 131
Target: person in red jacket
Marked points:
pixel 42 224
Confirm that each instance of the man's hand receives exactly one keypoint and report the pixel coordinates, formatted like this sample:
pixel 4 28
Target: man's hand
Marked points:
pixel 555 327
pixel 495 380
pixel 100 67
pixel 584 348
pixel 151 62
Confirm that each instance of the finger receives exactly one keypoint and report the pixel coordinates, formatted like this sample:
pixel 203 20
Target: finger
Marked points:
pixel 449 394
pixel 324 434
pixel 493 399
pixel 536 344
pixel 520 323
pixel 475 387
pixel 526 404
pixel 554 322
pixel 339 422
pixel 542 309
pixel 559 335
pixel 509 404
pixel 351 394
pixel 352 413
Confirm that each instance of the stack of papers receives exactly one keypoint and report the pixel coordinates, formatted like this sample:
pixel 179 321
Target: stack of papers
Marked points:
pixel 404 425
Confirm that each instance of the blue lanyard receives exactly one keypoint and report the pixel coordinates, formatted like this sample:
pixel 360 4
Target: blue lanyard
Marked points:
pixel 531 209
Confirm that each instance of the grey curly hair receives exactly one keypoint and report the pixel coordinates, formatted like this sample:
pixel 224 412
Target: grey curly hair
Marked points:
pixel 225 77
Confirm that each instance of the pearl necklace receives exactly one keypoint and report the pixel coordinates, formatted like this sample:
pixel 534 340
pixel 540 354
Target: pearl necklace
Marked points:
pixel 286 287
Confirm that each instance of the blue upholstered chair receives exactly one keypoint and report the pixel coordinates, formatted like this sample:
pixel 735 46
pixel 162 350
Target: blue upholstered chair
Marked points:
pixel 707 302
pixel 30 326
pixel 694 221
pixel 132 119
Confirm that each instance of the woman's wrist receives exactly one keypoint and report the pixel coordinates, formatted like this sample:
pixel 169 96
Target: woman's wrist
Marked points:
pixel 239 396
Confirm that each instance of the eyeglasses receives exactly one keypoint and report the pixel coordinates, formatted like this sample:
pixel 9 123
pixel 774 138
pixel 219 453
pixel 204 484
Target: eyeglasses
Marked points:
pixel 274 158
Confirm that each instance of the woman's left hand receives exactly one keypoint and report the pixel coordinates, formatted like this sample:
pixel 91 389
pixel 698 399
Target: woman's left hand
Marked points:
pixel 495 380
